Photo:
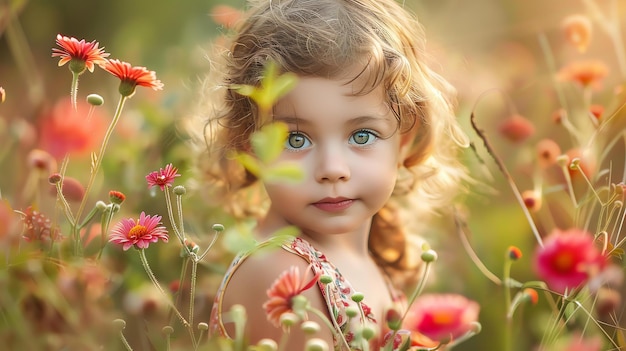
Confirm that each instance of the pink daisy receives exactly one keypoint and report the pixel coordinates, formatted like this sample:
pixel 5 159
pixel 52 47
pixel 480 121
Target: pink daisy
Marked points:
pixel 162 177
pixel 82 52
pixel 141 233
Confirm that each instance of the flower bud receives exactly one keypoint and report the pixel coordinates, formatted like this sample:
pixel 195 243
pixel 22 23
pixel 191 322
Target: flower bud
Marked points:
pixel 95 99
pixel 352 311
pixel 530 295
pixel 101 206
pixel 357 297
pixel 532 200
pixel 116 197
pixel 316 344
pixel 167 330
pixel 267 345
pixel 326 279
pixel 203 326
pixel 288 319
pixel 429 256
pixel 179 190
pixel 393 318
pixel 310 327
pixel 54 178
pixel 368 332
pixel 218 227
pixel 514 253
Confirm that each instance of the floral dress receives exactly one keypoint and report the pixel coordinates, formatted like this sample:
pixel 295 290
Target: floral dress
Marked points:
pixel 337 294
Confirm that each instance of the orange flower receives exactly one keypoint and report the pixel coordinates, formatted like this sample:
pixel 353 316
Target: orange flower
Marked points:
pixel 81 54
pixel 532 200
pixel 586 73
pixel 225 15
pixel 131 76
pixel 65 130
pixel 285 288
pixel 577 30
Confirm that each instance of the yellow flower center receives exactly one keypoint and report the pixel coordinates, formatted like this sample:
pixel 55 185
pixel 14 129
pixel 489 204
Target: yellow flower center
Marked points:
pixel 443 318
pixel 137 232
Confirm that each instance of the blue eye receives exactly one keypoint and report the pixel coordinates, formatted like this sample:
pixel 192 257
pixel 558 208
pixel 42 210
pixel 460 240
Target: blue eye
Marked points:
pixel 297 141
pixel 363 137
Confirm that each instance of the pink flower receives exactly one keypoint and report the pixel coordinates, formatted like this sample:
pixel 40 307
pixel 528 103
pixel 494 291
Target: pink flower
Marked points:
pixel 84 54
pixel 568 259
pixel 38 227
pixel 286 287
pixel 131 76
pixel 441 317
pixel 162 177
pixel 141 233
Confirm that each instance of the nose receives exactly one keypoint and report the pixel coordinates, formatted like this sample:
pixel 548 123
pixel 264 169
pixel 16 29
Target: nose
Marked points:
pixel 332 166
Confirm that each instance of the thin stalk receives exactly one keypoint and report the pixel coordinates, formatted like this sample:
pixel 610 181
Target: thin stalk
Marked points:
pixel 96 163
pixel 418 289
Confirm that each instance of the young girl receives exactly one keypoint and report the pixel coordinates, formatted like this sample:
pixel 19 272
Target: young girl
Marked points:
pixel 369 124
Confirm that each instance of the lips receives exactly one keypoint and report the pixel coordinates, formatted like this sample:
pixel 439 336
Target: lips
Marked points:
pixel 333 204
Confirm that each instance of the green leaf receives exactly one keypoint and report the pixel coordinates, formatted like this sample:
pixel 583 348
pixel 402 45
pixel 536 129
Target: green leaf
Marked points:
pixel 284 172
pixel 250 163
pixel 269 141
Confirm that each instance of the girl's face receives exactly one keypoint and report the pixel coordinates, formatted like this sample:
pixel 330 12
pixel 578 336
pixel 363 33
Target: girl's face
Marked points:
pixel 348 147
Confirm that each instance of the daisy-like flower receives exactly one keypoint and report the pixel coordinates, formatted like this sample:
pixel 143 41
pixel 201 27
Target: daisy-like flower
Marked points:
pixel 131 76
pixel 140 233
pixel 285 288
pixel 441 317
pixel 163 177
pixel 586 73
pixel 80 54
pixel 568 259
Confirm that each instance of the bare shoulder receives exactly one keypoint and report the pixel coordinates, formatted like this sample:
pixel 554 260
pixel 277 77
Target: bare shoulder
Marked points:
pixel 248 287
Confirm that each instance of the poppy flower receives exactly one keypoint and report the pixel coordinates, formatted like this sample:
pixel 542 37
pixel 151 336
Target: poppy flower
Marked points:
pixel 131 76
pixel 139 233
pixel 163 177
pixel 568 259
pixel 441 317
pixel 80 54
pixel 283 290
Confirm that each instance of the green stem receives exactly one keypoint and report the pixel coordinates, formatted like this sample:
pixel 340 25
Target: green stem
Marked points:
pixel 96 163
pixel 146 266
pixel 170 214
pixel 418 289
pixel 125 342
pixel 74 89
pixel 192 289
pixel 507 303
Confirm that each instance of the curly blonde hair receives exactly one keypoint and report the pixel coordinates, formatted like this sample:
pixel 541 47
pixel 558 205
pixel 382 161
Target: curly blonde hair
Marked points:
pixel 321 38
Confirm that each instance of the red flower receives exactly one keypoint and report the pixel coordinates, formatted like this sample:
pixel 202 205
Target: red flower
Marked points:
pixel 285 288
pixel 131 76
pixel 65 129
pixel 568 259
pixel 84 54
pixel 517 128
pixel 141 233
pixel 547 152
pixel 163 177
pixel 441 317
pixel 116 197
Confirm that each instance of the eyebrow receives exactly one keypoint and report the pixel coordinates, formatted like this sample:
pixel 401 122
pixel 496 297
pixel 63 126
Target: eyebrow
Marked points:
pixel 353 121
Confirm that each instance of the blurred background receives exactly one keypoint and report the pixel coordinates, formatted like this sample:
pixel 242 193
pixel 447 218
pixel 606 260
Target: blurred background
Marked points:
pixel 501 55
